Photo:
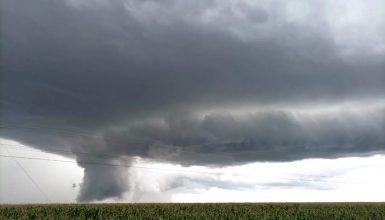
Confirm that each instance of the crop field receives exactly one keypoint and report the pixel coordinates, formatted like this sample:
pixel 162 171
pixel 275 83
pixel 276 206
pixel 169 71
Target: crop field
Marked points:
pixel 197 211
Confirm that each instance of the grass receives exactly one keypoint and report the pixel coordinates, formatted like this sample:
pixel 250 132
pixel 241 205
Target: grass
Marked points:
pixel 197 211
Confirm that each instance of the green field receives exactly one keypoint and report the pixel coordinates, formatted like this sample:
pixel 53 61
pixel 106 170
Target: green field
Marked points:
pixel 197 211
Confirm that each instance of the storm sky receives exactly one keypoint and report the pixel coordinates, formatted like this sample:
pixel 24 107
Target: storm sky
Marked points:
pixel 208 83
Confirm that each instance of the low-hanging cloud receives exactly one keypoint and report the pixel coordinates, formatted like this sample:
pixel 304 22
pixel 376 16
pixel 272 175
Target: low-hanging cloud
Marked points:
pixel 135 78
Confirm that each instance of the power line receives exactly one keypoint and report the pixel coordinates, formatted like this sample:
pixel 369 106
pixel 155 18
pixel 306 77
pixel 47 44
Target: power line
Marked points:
pixel 78 133
pixel 108 156
pixel 102 155
pixel 125 160
pixel 143 142
pixel 184 171
pixel 29 177
pixel 60 131
pixel 110 139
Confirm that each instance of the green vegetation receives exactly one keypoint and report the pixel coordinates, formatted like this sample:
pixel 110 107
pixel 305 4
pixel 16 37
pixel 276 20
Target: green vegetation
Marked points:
pixel 197 211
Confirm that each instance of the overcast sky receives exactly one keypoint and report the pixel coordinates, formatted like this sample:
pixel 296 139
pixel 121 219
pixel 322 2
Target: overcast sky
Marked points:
pixel 216 85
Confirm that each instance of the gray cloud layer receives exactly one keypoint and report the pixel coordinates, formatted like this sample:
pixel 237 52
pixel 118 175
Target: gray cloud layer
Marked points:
pixel 116 78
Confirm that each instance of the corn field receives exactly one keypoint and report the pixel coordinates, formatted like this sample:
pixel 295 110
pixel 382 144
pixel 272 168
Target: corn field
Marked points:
pixel 197 211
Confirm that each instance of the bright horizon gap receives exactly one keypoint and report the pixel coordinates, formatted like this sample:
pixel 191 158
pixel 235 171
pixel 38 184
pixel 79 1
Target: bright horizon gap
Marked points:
pixel 341 176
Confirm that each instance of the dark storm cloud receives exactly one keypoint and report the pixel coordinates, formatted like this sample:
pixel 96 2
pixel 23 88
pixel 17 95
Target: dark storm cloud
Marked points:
pixel 111 77
pixel 273 135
